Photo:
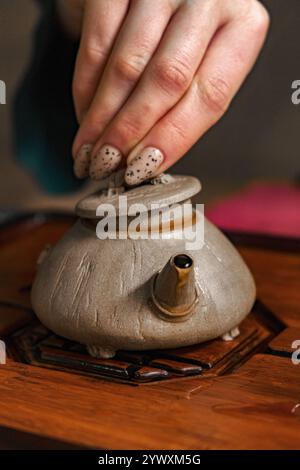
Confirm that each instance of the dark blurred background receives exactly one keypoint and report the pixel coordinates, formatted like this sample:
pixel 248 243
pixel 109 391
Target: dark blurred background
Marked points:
pixel 258 138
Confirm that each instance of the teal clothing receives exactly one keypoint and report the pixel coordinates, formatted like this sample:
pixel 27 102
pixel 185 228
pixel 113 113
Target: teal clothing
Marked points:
pixel 44 117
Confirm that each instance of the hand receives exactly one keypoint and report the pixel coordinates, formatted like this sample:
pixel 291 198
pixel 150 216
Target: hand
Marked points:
pixel 153 76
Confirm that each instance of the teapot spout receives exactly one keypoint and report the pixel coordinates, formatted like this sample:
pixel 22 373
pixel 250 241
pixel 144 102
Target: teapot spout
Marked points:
pixel 174 290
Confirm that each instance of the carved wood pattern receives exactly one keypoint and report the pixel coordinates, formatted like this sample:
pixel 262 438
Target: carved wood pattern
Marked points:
pixel 38 346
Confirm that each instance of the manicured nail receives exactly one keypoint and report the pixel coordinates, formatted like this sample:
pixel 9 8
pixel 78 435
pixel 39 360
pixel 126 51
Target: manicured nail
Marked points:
pixel 104 162
pixel 143 166
pixel 82 161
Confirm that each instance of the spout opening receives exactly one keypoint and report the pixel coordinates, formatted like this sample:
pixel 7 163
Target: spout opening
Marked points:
pixel 183 261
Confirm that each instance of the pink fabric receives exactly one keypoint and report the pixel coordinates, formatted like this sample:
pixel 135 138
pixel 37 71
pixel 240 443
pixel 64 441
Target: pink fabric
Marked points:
pixel 263 208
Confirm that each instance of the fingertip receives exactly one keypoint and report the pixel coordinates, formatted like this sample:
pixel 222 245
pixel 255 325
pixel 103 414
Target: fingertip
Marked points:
pixel 143 166
pixel 105 162
pixel 82 161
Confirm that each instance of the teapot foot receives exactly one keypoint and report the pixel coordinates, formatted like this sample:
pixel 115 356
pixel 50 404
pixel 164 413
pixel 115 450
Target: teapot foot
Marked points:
pixel 231 334
pixel 101 352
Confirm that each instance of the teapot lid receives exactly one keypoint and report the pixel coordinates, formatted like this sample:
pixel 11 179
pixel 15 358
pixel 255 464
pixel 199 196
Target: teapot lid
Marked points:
pixel 165 189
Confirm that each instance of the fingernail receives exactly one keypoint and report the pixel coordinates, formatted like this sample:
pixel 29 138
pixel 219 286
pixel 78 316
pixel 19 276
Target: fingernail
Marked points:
pixel 82 161
pixel 143 166
pixel 104 162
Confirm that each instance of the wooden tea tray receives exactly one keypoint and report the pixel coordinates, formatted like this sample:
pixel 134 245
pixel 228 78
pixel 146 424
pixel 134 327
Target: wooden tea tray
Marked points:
pixel 239 394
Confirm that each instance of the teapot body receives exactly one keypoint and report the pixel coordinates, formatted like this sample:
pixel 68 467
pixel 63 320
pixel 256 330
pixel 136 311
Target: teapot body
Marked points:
pixel 98 292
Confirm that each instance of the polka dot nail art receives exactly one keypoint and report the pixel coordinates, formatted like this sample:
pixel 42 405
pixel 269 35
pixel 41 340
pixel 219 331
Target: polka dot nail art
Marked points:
pixel 105 162
pixel 143 166
pixel 82 161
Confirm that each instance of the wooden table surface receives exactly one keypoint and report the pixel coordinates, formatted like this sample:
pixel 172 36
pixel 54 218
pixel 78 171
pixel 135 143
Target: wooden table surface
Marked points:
pixel 255 406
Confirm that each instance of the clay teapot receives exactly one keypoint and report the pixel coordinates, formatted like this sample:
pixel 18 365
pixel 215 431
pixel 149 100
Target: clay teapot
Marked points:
pixel 143 293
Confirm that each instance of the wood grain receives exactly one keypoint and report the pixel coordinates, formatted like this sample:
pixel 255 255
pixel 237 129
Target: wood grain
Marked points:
pixel 12 318
pixel 253 408
pixel 282 344
pixel 277 276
